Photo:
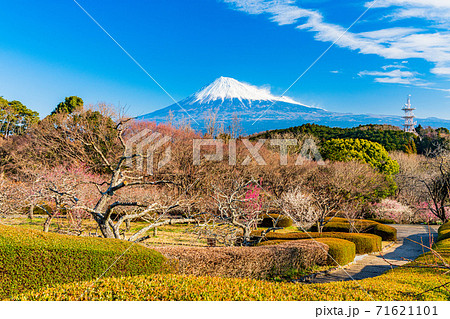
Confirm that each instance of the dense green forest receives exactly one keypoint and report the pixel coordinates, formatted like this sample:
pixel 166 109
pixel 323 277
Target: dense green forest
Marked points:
pixel 391 137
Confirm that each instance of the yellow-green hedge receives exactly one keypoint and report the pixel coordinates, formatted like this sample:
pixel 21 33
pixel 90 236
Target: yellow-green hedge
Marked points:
pixel 273 242
pixel 443 241
pixel 444 231
pixel 31 259
pixel 399 284
pixel 365 243
pixel 269 219
pixel 340 250
pixel 382 220
pixel 386 232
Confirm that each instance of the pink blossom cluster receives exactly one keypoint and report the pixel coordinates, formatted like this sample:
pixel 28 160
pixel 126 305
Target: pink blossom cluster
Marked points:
pixel 426 214
pixel 392 209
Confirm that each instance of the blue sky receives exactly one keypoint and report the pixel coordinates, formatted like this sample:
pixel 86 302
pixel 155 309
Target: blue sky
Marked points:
pixel 52 49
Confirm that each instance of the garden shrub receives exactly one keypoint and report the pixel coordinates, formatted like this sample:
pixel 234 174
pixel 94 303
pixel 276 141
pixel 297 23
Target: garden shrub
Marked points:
pixel 248 262
pixel 443 247
pixel 401 283
pixel 444 231
pixel 273 242
pixel 382 220
pixel 444 227
pixel 340 251
pixel 365 243
pixel 283 221
pixel 31 259
pixel 364 151
pixel 386 232
pixel 337 224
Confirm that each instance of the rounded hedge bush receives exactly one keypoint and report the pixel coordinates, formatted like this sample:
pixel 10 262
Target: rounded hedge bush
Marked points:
pixel 443 248
pixel 263 262
pixel 343 227
pixel 365 243
pixel 382 220
pixel 386 232
pixel 444 231
pixel 32 259
pixel 443 241
pixel 340 252
pixel 337 224
pixel 272 242
pixel 269 220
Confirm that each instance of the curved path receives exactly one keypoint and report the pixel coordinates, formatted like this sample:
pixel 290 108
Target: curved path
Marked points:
pixel 374 265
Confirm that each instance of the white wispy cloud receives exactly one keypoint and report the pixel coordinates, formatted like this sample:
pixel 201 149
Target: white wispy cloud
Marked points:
pixel 390 43
pixel 420 3
pixel 441 70
pixel 394 66
pixel 440 16
pixel 395 76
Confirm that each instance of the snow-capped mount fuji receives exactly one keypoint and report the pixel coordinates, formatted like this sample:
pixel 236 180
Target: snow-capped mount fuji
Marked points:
pixel 228 88
pixel 259 110
pixel 228 98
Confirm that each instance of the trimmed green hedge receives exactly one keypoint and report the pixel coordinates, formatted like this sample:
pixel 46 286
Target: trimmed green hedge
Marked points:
pixel 444 231
pixel 443 247
pixel 283 221
pixel 337 224
pixel 341 250
pixel 32 259
pixel 365 243
pixel 443 241
pixel 273 242
pixel 401 283
pixel 386 232
pixel 382 220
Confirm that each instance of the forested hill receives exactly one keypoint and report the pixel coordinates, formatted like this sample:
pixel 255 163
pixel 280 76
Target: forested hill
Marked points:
pixel 391 137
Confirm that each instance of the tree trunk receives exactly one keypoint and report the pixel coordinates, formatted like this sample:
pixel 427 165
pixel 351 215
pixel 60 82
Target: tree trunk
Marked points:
pixel 246 236
pixel 442 214
pixel 106 229
pixel 31 212
pixel 47 223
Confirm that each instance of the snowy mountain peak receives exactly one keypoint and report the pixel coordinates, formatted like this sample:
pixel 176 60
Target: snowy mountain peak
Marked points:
pixel 229 88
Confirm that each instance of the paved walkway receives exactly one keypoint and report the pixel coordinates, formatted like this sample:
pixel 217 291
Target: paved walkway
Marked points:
pixel 373 265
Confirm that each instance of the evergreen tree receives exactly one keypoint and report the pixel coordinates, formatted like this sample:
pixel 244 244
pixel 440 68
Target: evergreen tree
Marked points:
pixel 374 154
pixel 70 105
pixel 15 118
